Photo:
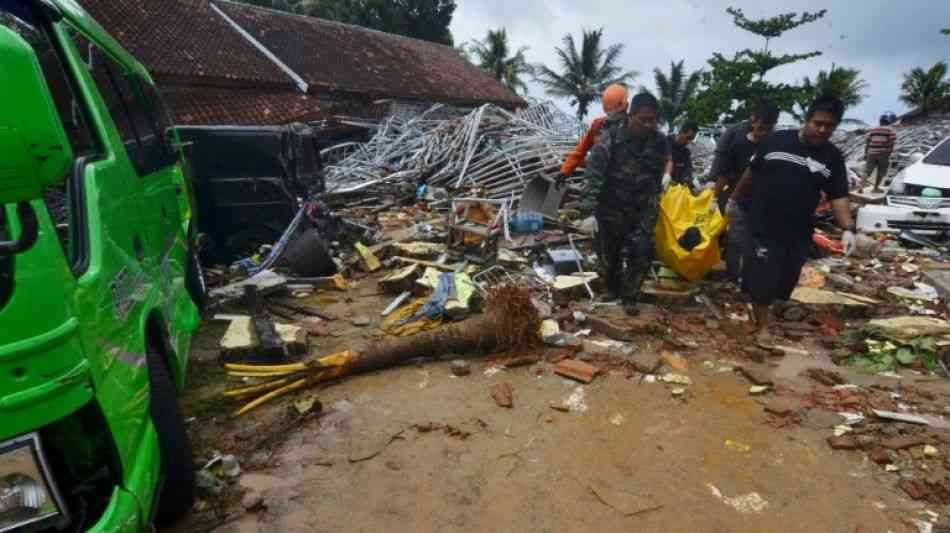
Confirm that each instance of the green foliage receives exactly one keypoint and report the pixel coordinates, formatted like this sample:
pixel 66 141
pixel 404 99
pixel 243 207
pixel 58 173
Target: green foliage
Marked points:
pixel 927 90
pixel 886 352
pixel 945 31
pixel 584 74
pixel 732 85
pixel 843 83
pixel 422 19
pixel 773 27
pixel 675 91
pixel 494 55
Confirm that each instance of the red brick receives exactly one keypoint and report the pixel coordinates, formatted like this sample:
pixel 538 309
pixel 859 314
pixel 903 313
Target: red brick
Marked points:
pixel 879 456
pixel 782 406
pixel 503 395
pixel 902 443
pixel 574 369
pixel 914 489
pixel 842 443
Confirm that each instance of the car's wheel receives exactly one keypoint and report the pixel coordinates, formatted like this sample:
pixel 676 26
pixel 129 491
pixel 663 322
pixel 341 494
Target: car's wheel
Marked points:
pixel 178 474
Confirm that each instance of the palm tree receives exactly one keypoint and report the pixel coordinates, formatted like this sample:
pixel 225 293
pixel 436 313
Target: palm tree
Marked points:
pixel 584 75
pixel 675 91
pixel 492 54
pixel 927 90
pixel 842 83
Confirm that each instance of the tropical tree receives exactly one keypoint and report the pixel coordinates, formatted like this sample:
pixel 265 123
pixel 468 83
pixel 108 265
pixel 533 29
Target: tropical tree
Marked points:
pixel 422 19
pixel 927 90
pixel 675 90
pixel 731 85
pixel 945 31
pixel 844 83
pixel 584 74
pixel 494 55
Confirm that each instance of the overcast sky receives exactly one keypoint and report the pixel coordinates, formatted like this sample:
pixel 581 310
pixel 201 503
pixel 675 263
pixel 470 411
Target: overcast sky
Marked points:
pixel 881 38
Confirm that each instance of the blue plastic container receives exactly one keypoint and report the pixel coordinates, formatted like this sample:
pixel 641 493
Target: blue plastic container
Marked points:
pixel 527 222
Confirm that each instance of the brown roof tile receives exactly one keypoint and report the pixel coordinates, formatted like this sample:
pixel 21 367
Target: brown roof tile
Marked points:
pixel 199 106
pixel 351 59
pixel 184 38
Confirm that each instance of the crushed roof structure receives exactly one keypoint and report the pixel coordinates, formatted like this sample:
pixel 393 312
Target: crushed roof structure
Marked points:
pixel 219 62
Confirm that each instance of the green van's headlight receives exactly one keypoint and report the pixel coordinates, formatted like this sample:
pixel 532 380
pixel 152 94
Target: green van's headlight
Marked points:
pixel 27 493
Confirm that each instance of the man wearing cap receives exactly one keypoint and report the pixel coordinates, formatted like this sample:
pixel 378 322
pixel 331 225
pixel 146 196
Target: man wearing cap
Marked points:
pixel 615 104
pixel 626 170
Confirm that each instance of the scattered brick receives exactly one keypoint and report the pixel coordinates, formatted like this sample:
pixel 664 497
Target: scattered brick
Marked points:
pixel 843 442
pixel 879 456
pixel 503 395
pixel 757 375
pixel 825 377
pixel 782 406
pixel 914 489
pixel 902 443
pixel 574 369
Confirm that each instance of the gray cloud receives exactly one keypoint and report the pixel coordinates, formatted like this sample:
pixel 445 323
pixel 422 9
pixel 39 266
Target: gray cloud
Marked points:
pixel 882 38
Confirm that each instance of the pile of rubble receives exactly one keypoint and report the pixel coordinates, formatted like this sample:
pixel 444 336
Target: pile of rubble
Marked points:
pixel 488 148
pixel 457 266
pixel 912 139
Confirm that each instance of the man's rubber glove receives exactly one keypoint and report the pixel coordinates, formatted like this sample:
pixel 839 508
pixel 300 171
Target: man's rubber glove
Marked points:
pixel 666 181
pixel 561 181
pixel 849 242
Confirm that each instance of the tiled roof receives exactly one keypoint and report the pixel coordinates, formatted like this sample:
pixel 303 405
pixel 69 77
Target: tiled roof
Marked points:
pixel 184 38
pixel 199 106
pixel 351 59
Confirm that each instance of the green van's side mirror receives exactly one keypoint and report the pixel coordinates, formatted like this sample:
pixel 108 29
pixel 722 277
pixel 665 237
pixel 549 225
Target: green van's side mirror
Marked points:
pixel 34 150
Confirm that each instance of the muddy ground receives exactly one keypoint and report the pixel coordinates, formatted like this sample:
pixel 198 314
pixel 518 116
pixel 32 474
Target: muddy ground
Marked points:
pixel 416 448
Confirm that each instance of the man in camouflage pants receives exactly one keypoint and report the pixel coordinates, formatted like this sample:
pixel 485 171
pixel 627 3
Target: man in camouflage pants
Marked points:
pixel 626 171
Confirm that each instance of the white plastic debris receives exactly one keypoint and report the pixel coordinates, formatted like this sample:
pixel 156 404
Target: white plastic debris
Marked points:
pixel 575 402
pixel 752 502
pixel 676 379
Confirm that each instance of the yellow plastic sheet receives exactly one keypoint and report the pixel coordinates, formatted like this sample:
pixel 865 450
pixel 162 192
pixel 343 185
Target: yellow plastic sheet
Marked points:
pixel 679 211
pixel 392 327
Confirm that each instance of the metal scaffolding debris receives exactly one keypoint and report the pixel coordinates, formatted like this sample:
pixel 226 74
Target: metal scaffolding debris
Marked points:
pixel 917 138
pixel 488 147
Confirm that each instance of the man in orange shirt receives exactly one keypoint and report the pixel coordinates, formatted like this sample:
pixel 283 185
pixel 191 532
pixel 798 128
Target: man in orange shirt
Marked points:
pixel 615 102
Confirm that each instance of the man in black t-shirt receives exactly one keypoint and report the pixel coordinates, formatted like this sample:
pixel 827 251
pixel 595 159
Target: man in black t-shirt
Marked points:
pixel 789 172
pixel 733 153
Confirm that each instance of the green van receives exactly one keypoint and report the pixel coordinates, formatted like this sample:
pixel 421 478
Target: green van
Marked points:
pixel 99 281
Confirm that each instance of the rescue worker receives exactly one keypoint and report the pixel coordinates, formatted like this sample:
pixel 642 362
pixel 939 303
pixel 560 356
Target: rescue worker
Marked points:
pixel 878 149
pixel 626 170
pixel 788 174
pixel 682 173
pixel 615 101
pixel 733 153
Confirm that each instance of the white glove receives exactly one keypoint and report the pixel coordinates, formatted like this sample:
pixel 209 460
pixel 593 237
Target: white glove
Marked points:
pixel 849 241
pixel 666 181
pixel 713 206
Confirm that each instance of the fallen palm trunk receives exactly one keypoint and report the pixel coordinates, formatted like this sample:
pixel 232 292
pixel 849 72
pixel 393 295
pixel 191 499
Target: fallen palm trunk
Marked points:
pixel 510 323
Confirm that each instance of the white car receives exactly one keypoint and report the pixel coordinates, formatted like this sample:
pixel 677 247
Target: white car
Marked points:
pixel 918 198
